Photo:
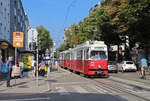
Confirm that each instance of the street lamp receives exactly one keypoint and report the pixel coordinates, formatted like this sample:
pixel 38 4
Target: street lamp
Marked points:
pixel 54 44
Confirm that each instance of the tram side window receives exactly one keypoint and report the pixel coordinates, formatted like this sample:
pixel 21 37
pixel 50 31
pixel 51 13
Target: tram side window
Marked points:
pixel 68 56
pixel 79 55
pixel 61 57
pixel 72 56
pixel 87 53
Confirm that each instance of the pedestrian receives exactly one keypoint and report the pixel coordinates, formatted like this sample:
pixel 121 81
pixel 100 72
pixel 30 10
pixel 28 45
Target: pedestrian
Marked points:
pixel 56 64
pixel 143 63
pixel 9 66
pixel 21 64
pixel 42 68
pixel 1 62
pixel 33 68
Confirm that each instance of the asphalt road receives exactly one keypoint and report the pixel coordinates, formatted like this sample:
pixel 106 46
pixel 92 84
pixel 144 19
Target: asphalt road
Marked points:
pixel 67 86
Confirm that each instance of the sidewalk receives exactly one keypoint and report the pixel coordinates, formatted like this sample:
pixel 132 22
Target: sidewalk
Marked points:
pixel 28 84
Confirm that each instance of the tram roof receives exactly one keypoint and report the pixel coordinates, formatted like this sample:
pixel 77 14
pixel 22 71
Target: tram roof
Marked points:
pixel 91 43
pixel 86 44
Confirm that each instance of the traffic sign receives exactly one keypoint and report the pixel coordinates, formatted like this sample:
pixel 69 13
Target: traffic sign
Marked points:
pixel 17 39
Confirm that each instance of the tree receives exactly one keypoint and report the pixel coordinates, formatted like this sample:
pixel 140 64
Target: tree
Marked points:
pixel 45 38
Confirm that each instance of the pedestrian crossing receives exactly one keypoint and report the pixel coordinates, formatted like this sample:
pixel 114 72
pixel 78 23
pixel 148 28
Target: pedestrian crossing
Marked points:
pixel 80 89
pixel 62 91
pixel 90 88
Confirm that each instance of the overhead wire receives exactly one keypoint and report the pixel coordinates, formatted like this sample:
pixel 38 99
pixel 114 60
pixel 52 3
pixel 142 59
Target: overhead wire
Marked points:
pixel 68 11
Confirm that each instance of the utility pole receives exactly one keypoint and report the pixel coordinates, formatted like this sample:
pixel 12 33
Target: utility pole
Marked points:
pixel 54 44
pixel 37 68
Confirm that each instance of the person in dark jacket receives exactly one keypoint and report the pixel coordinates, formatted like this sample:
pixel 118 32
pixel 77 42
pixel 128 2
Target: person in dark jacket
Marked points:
pixel 9 66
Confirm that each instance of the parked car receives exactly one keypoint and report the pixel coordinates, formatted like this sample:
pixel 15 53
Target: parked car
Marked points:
pixel 127 66
pixel 112 66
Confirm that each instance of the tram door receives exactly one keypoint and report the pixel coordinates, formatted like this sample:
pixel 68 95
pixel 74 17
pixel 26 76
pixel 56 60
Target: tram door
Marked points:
pixel 84 58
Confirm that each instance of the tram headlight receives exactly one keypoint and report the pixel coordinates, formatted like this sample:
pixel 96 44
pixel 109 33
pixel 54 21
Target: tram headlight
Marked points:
pixel 99 66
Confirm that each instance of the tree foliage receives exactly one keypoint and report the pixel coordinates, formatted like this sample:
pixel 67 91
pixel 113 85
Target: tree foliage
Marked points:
pixel 112 19
pixel 44 38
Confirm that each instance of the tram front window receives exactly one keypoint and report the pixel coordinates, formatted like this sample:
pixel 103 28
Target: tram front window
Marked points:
pixel 98 55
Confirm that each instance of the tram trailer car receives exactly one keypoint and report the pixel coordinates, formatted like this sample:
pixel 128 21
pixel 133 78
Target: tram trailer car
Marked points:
pixel 90 58
pixel 63 59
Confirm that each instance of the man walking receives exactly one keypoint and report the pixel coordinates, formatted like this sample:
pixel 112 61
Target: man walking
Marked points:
pixel 9 66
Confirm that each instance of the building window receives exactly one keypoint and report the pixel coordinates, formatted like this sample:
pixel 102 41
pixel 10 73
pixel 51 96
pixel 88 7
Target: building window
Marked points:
pixel 14 17
pixel 18 4
pixel 15 11
pixel 15 2
pixel 4 9
pixel 21 24
pixel 18 19
pixel 23 18
pixel 5 28
pixel 21 12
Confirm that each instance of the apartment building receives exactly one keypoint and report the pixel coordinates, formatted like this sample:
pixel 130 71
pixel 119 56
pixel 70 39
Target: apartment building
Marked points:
pixel 12 19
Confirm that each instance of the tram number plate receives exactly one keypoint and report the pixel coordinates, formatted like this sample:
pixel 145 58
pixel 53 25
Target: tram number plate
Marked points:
pixel 99 73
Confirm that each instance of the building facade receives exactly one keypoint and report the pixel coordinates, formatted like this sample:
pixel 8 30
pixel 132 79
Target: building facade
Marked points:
pixel 12 19
pixel 5 20
pixel 32 37
pixel 18 20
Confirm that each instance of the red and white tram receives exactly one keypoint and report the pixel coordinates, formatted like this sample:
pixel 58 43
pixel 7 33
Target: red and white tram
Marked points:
pixel 89 58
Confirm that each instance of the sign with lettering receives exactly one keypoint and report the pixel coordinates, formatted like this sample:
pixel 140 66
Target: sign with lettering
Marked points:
pixel 4 45
pixel 99 48
pixel 17 39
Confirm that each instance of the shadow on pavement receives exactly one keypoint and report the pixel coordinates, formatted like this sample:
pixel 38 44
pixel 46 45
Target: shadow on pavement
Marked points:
pixel 18 84
pixel 53 69
pixel 51 81
pixel 3 76
pixel 71 96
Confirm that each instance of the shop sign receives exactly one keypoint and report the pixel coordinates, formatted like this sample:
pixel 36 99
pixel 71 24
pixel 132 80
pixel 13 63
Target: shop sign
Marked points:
pixel 4 45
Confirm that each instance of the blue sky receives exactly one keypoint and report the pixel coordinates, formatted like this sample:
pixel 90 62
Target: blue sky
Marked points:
pixel 55 15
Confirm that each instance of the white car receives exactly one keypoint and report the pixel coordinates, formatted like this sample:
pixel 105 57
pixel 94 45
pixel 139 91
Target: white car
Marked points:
pixel 127 66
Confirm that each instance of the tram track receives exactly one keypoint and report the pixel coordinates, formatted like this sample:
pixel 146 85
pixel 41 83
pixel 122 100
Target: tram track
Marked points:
pixel 116 88
pixel 134 79
pixel 121 87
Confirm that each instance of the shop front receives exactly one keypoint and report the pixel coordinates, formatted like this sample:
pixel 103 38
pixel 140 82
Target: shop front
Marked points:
pixel 6 50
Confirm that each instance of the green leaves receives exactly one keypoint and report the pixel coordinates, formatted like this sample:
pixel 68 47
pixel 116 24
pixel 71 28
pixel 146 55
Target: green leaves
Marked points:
pixel 44 37
pixel 112 19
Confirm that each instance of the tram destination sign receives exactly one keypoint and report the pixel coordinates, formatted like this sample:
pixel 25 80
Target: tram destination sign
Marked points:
pixel 99 48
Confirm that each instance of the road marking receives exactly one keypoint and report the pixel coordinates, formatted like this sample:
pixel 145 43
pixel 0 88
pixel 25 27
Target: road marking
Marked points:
pixel 79 89
pixel 62 91
pixel 110 90
pixel 98 89
pixel 29 99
